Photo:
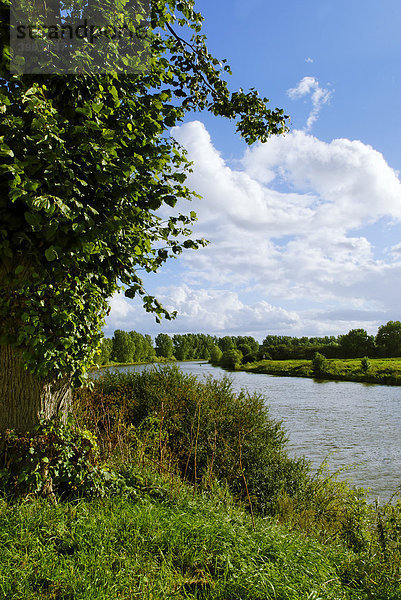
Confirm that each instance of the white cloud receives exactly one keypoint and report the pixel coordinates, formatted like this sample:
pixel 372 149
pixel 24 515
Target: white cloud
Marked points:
pixel 396 250
pixel 309 86
pixel 119 307
pixel 309 60
pixel 289 249
pixel 214 311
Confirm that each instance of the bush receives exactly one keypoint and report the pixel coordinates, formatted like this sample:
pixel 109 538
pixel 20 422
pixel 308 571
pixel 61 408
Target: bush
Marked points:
pixel 250 358
pixel 319 364
pixel 215 355
pixel 57 459
pixel 365 364
pixel 202 429
pixel 231 359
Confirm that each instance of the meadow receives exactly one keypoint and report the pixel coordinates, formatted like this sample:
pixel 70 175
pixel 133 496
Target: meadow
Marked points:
pixel 385 371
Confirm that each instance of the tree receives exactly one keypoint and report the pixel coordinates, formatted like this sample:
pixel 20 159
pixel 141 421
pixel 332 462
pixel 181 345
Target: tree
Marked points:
pixel 182 347
pixel 231 359
pixel 215 355
pixel 87 161
pixel 319 364
pixel 141 347
pixel 357 343
pixel 105 351
pixel 226 343
pixel 123 347
pixel 150 351
pixel 164 345
pixel 388 339
pixel 245 349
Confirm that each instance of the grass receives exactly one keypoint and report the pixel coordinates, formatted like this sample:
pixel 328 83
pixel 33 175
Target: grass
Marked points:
pixel 200 546
pixel 181 525
pixel 385 371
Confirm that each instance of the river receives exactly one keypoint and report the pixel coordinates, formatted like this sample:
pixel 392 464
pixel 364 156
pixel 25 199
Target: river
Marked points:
pixel 352 425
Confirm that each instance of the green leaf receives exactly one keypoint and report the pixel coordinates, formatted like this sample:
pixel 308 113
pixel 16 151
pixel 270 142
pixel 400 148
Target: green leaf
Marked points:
pixel 108 134
pixel 5 150
pixel 51 254
pixel 32 218
pixel 170 200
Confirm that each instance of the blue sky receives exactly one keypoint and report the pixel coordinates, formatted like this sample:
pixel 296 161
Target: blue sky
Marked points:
pixel 305 230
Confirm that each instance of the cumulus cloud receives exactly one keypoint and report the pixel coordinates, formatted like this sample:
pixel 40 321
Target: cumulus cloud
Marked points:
pixel 309 86
pixel 215 311
pixel 291 248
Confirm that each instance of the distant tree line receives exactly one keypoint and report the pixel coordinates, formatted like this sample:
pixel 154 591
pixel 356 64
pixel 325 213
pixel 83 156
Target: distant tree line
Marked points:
pixel 354 344
pixel 126 347
pixel 231 351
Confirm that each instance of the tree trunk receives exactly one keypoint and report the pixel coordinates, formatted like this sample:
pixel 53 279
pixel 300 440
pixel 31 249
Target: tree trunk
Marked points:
pixel 24 397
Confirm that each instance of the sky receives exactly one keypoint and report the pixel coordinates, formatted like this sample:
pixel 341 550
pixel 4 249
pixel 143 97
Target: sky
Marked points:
pixel 304 230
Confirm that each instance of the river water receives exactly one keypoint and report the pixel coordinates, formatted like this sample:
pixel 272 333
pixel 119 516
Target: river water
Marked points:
pixel 352 425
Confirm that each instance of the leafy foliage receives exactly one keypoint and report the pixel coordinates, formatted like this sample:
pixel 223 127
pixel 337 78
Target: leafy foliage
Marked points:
pixel 122 346
pixel 164 345
pixel 57 459
pixel 231 359
pixel 87 161
pixel 319 364
pixel 388 339
pixel 215 355
pixel 105 351
pixel 357 343
pixel 201 428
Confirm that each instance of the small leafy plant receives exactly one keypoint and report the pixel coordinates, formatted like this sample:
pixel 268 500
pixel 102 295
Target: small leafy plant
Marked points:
pixel 56 460
pixel 319 364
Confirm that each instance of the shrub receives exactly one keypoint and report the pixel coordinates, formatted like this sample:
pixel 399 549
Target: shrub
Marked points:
pixel 202 429
pixel 319 364
pixel 215 355
pixel 250 358
pixel 231 359
pixel 365 364
pixel 57 459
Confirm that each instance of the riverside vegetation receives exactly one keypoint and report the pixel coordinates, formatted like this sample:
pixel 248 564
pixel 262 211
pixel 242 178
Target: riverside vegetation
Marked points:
pixel 385 371
pixel 164 486
pixel 355 356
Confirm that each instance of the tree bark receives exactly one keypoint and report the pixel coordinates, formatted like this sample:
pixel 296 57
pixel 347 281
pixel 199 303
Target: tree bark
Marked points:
pixel 24 397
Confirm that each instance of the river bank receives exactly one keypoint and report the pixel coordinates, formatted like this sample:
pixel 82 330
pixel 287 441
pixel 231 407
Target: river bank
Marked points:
pixel 353 425
pixel 383 371
pixel 182 487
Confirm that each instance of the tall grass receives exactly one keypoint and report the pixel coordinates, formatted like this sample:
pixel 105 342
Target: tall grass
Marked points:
pixel 201 430
pixel 194 548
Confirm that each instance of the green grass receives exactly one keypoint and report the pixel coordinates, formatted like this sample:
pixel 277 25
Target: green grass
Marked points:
pixel 385 371
pixel 190 546
pixel 192 459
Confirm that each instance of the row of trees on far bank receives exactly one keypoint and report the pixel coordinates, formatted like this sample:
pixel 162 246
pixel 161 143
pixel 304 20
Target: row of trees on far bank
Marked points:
pixel 125 347
pixel 354 344
pixel 229 351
